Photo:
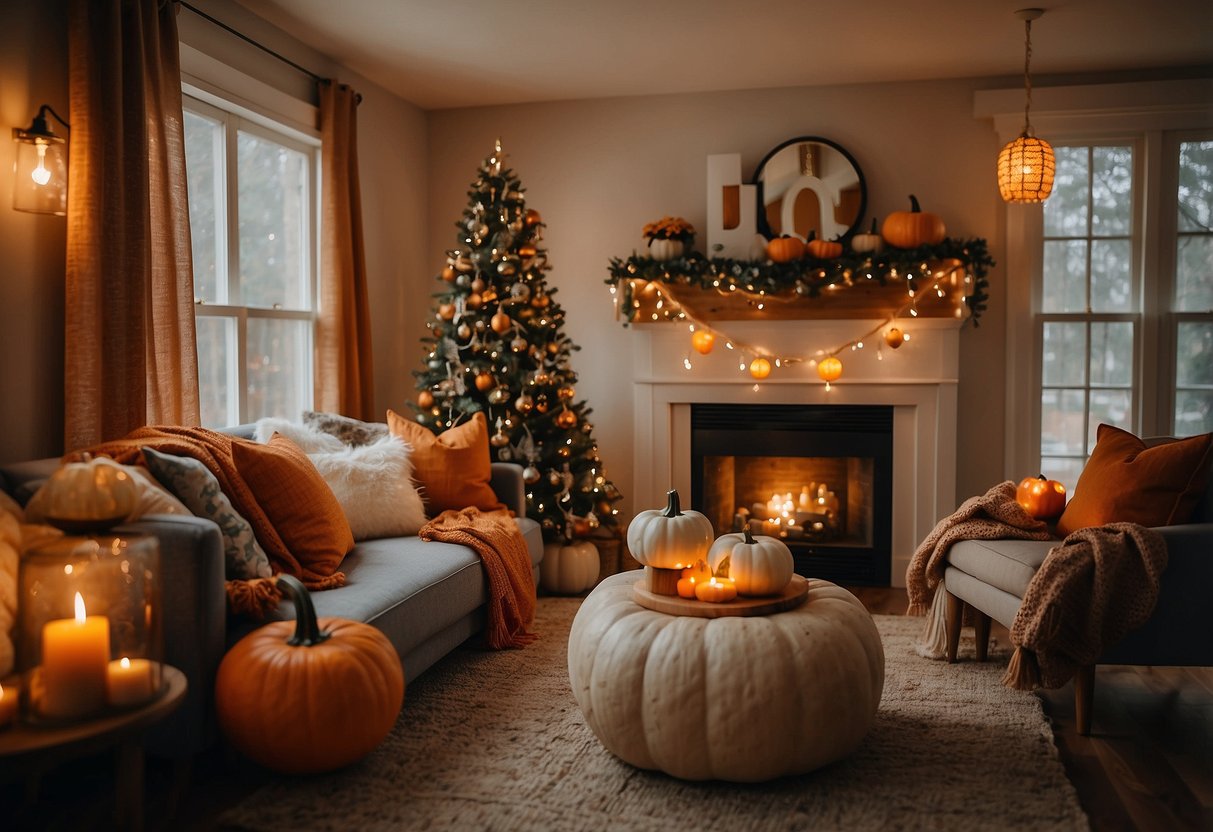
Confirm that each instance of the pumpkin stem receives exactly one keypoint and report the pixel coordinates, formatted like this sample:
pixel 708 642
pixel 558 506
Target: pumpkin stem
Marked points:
pixel 873 231
pixel 672 506
pixel 748 538
pixel 914 207
pixel 812 236
pixel 307 629
pixel 1040 476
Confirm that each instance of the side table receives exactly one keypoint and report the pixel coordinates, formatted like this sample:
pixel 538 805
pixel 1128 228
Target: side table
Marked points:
pixel 27 752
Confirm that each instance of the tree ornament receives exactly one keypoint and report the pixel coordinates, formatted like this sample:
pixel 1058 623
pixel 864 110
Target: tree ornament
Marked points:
pixel 526 251
pixel 446 311
pixel 446 387
pixel 552 347
pixel 463 332
pixel 540 301
pixel 473 301
pixel 505 454
pixel 499 439
pixel 530 475
pixel 449 274
pixel 480 325
pixel 587 427
pixel 520 291
pixel 477 284
pixel 564 451
pixel 506 268
pixel 566 419
pixel 425 399
pixel 760 367
pixel 484 381
pixel 499 395
pixel 501 323
pixel 541 378
pixel 532 217
pixel 435 363
pixel 555 478
pixel 566 393
pixel 519 344
pixel 541 403
pixel 829 369
pixel 894 338
pixel 524 404
pixel 703 341
pixel 463 281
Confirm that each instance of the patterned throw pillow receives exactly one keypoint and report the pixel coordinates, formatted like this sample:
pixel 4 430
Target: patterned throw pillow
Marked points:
pixel 197 487
pixel 350 431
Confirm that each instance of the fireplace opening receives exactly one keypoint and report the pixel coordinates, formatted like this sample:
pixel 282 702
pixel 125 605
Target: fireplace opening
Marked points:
pixel 819 477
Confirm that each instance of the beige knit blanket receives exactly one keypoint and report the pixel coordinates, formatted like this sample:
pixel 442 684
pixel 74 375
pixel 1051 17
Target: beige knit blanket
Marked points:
pixel 1097 585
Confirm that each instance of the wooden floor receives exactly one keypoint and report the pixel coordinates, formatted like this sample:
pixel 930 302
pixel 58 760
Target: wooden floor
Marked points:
pixel 1147 765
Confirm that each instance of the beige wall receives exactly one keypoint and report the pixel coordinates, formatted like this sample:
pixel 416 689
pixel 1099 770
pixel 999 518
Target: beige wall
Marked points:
pixel 599 170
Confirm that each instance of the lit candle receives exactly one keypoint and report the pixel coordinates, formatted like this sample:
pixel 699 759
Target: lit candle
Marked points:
pixel 805 499
pixel 129 681
pixel 8 704
pixel 716 590
pixel 75 654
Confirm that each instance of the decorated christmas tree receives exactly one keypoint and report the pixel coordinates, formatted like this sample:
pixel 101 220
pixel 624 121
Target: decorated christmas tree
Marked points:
pixel 497 346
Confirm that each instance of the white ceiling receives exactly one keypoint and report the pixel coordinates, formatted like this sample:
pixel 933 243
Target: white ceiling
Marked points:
pixel 463 53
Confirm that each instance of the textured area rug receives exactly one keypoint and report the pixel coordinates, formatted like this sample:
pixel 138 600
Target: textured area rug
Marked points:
pixel 496 741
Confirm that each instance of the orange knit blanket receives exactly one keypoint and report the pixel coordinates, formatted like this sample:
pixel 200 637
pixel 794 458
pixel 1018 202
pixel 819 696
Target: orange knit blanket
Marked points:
pixel 495 537
pixel 1094 587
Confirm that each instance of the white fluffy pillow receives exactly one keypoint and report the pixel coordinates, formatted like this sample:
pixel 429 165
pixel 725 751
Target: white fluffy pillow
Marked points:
pixel 374 485
pixel 309 440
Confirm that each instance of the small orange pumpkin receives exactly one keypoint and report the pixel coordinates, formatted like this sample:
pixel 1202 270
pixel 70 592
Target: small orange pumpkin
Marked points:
pixel 760 368
pixel 829 369
pixel 785 249
pixel 702 341
pixel 313 701
pixel 822 249
pixel 1042 498
pixel 913 228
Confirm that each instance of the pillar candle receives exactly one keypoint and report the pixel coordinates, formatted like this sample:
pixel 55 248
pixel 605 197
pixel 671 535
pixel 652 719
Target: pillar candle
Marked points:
pixel 8 704
pixel 75 655
pixel 129 681
pixel 716 590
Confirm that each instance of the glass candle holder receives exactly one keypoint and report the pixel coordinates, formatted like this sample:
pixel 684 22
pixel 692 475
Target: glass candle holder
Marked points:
pixel 89 635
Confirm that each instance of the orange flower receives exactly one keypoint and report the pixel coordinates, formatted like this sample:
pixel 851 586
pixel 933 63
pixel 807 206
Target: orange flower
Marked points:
pixel 670 228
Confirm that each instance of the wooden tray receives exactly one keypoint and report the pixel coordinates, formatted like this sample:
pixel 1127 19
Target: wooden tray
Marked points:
pixel 792 596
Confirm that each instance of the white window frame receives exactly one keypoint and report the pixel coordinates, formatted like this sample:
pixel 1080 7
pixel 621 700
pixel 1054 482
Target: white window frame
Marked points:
pixel 235 118
pixel 1097 114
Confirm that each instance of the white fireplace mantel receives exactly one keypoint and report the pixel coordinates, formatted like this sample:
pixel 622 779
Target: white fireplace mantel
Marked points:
pixel 918 380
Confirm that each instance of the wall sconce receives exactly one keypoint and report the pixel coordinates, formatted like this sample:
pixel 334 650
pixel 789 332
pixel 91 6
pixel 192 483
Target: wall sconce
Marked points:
pixel 40 186
pixel 1026 164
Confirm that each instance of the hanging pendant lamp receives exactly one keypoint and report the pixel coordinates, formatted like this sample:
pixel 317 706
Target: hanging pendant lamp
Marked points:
pixel 1026 165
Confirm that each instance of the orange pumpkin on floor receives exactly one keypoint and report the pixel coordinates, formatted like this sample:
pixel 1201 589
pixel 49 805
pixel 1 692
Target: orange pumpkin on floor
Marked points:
pixel 1042 498
pixel 313 701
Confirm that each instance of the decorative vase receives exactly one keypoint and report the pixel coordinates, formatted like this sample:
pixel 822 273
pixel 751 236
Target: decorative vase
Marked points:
pixel 662 249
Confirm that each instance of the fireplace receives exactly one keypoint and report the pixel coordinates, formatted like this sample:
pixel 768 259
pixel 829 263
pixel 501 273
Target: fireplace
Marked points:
pixel 819 477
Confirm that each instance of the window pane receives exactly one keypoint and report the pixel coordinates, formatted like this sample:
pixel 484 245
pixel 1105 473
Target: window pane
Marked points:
pixel 279 368
pixel 1066 210
pixel 1195 186
pixel 1062 422
pixel 1111 197
pixel 1112 354
pixel 217 371
pixel 1194 354
pixel 1193 412
pixel 273 223
pixel 1064 470
pixel 1110 283
pixel 1194 273
pixel 1065 276
pixel 204 175
pixel 1064 354
pixel 1112 407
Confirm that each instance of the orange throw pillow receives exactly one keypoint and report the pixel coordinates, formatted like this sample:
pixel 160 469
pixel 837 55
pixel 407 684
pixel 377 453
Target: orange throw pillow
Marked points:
pixel 1126 482
pixel 453 468
pixel 298 502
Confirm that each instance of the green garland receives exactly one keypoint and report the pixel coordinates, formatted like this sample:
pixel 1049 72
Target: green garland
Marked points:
pixel 809 276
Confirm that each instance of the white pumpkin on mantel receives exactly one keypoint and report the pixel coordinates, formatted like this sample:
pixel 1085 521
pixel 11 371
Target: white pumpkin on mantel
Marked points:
pixel 759 565
pixel 569 568
pixel 744 699
pixel 662 249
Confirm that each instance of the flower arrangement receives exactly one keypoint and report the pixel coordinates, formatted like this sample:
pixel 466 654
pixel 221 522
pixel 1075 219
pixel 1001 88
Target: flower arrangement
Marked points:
pixel 670 228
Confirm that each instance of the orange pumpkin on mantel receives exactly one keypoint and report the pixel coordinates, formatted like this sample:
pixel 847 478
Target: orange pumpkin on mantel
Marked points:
pixel 822 249
pixel 1042 498
pixel 785 249
pixel 913 228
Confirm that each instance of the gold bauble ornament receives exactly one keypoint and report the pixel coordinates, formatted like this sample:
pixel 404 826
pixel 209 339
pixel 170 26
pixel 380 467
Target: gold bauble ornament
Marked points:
pixel 474 301
pixel 566 419
pixel 463 332
pixel 530 475
pixel 894 338
pixel 563 450
pixel 448 274
pixel 446 311
pixel 519 344
pixel 555 478
pixel 541 378
pixel 540 301
pixel 498 395
pixel 478 284
pixel 501 323
pixel 520 291
pixel 506 268
pixel 532 217
pixel 425 399
pixel 523 404
pixel 499 439
pixel 526 251
pixel 552 347
pixel 566 393
pixel 541 404
pixel 485 381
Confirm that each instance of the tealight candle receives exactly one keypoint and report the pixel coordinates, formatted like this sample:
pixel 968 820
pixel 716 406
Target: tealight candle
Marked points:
pixel 129 681
pixel 716 590
pixel 8 704
pixel 75 654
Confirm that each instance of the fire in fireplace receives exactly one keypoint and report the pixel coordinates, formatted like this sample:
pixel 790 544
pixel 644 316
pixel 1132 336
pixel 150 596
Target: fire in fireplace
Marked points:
pixel 819 477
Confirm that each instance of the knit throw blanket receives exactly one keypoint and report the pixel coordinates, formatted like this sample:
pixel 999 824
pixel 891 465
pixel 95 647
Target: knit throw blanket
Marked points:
pixel 1094 587
pixel 495 537
pixel 255 597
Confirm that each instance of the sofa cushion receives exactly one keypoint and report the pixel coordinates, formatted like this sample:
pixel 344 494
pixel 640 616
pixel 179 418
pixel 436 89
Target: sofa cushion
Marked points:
pixel 347 430
pixel 374 485
pixel 297 502
pixel 309 440
pixel 1126 482
pixel 1006 564
pixel 452 468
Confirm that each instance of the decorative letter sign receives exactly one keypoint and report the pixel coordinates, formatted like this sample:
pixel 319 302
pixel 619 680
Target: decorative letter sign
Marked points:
pixel 734 237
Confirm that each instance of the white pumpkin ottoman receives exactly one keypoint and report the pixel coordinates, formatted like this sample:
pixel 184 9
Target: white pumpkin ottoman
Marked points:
pixel 733 698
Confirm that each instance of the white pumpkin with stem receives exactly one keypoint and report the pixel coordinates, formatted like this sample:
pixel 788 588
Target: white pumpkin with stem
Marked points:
pixel 569 568
pixel 759 565
pixel 666 541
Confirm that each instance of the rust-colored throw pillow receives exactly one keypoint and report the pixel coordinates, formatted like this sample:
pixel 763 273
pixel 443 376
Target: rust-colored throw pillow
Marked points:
pixel 298 502
pixel 453 468
pixel 1126 482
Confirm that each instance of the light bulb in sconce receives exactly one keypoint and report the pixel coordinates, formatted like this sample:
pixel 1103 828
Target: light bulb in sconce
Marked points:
pixel 40 174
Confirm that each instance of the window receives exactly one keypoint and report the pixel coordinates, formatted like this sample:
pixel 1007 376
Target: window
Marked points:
pixel 252 200
pixel 1112 329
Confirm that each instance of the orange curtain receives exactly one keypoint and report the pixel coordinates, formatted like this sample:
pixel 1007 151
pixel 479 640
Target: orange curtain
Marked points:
pixel 130 354
pixel 344 381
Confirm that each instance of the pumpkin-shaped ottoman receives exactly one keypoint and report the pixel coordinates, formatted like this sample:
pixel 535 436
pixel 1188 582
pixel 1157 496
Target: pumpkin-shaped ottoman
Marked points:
pixel 744 699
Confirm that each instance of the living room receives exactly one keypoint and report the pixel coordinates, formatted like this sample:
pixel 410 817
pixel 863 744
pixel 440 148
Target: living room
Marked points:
pixel 605 143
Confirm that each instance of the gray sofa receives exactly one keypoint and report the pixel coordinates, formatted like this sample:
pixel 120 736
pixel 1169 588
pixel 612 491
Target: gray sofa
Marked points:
pixel 990 577
pixel 427 597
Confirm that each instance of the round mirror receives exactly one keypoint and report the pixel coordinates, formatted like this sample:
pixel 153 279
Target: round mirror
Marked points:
pixel 809 184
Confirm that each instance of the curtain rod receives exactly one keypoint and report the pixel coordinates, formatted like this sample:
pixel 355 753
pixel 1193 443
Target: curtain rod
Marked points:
pixel 265 49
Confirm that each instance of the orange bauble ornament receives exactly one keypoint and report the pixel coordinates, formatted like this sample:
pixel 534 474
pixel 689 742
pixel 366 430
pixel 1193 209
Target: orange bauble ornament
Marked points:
pixel 448 274
pixel 1042 498
pixel 532 217
pixel 829 369
pixel 485 381
pixel 702 341
pixel 425 399
pixel 501 323
pixel 446 311
pixel 760 368
pixel 566 419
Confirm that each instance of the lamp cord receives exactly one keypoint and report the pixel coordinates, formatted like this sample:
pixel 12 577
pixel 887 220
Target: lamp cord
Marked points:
pixel 1027 76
